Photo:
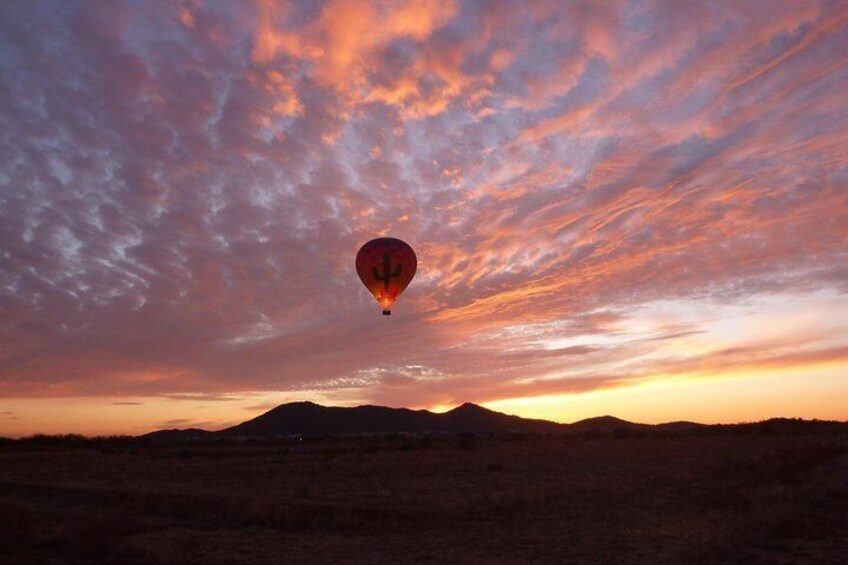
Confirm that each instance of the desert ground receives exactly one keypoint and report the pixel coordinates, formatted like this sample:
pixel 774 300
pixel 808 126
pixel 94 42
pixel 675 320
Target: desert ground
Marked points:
pixel 450 499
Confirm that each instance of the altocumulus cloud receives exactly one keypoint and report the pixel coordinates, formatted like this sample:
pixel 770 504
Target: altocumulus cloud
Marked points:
pixel 183 187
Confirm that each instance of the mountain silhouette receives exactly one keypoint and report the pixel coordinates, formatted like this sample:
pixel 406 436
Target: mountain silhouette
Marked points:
pixel 606 423
pixel 473 418
pixel 308 418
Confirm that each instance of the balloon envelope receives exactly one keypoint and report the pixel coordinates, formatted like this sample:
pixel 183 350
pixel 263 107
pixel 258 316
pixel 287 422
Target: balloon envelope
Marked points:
pixel 386 266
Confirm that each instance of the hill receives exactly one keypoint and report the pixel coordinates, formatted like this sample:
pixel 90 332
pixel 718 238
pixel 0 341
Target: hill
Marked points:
pixel 310 419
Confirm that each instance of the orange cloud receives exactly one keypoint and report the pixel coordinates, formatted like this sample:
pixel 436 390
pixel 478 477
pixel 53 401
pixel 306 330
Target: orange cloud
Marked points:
pixel 342 44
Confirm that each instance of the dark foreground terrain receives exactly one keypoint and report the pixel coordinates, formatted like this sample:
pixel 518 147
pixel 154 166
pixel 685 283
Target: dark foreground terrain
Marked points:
pixel 447 499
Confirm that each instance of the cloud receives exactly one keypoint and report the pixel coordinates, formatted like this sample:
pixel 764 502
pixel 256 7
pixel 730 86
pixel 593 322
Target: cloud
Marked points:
pixel 347 43
pixel 182 193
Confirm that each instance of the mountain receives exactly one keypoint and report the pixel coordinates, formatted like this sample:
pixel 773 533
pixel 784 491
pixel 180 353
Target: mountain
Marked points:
pixel 681 426
pixel 605 423
pixel 308 418
pixel 472 418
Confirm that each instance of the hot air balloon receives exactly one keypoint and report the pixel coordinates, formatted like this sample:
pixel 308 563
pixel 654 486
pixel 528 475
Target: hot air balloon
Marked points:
pixel 386 266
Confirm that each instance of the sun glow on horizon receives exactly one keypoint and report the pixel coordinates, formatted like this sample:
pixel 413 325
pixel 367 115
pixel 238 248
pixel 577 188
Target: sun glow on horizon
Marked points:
pixel 757 395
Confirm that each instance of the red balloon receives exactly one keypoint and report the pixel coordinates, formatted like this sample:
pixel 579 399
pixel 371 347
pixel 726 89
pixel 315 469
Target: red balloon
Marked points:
pixel 386 266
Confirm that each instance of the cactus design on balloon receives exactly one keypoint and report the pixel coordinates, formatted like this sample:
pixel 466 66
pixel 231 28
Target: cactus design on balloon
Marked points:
pixel 387 275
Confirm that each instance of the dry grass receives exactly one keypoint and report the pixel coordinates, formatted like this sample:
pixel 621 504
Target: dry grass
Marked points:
pixel 770 499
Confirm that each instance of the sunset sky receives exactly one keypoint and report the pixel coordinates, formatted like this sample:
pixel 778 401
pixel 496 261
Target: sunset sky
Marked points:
pixel 628 208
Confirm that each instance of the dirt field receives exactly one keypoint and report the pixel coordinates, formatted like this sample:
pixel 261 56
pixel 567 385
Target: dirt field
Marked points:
pixel 749 499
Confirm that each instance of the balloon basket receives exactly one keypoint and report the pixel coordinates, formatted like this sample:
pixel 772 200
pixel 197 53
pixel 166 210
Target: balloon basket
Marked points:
pixel 387 312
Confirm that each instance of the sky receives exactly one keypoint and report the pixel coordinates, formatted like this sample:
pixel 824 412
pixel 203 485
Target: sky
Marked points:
pixel 635 208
